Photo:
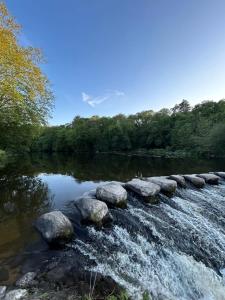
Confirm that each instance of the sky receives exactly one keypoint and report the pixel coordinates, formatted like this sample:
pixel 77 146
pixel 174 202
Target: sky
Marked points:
pixel 106 57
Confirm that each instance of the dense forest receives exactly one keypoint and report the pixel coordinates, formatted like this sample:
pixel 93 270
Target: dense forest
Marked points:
pixel 181 130
pixel 26 102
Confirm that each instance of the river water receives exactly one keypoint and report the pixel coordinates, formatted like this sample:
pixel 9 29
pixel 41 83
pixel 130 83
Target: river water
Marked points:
pixel 174 250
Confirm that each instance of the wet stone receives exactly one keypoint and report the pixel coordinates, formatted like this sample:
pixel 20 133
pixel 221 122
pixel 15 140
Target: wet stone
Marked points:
pixel 55 227
pixel 179 179
pixel 91 209
pixel 220 174
pixel 209 178
pixel 196 181
pixel 144 189
pixel 167 186
pixel 112 193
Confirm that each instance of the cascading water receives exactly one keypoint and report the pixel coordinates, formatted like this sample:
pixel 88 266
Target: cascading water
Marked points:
pixel 173 250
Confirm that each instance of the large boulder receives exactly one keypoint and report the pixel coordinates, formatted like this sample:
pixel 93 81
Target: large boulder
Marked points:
pixel 112 193
pixel 91 209
pixel 196 181
pixel 16 294
pixel 209 178
pixel 144 189
pixel 220 174
pixel 179 179
pixel 167 186
pixel 55 227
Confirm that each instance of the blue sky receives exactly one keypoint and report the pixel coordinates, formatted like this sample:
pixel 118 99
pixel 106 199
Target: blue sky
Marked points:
pixel 106 57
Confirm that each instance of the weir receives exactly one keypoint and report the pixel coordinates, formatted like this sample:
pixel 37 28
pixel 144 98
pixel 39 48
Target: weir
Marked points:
pixel 173 250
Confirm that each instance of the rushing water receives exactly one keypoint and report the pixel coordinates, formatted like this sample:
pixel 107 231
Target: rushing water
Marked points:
pixel 174 250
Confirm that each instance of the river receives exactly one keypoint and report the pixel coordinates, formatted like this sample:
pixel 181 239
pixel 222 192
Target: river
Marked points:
pixel 177 251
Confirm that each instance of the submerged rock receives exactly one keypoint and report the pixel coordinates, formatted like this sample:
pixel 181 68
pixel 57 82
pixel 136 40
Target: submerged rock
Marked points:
pixel 220 174
pixel 146 190
pixel 179 179
pixel 55 227
pixel 2 291
pixel 196 181
pixel 112 193
pixel 91 209
pixel 167 186
pixel 209 178
pixel 16 294
pixel 26 280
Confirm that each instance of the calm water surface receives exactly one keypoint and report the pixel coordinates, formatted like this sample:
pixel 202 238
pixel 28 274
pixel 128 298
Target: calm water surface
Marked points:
pixel 34 185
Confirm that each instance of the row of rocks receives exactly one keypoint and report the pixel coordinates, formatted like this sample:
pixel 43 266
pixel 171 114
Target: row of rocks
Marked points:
pixel 93 205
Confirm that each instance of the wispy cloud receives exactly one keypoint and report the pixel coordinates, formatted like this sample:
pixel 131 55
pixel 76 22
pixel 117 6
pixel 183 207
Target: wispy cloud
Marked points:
pixel 93 101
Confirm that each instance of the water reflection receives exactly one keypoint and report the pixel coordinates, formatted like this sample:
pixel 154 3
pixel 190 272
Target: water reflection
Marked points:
pixel 22 199
pixel 104 167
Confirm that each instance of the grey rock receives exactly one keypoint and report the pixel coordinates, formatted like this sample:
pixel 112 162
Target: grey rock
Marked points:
pixel 91 209
pixel 55 227
pixel 167 186
pixel 209 178
pixel 196 181
pixel 2 291
pixel 112 193
pixel 220 174
pixel 16 294
pixel 26 280
pixel 144 189
pixel 179 179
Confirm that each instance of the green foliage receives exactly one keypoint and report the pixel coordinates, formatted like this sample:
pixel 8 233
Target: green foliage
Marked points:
pixel 181 131
pixel 25 93
pixel 3 158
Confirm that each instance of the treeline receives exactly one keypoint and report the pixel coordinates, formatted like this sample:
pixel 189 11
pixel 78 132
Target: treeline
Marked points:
pixel 199 130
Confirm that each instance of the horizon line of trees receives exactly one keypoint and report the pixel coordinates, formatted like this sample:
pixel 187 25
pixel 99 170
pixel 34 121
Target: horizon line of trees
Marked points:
pixel 199 130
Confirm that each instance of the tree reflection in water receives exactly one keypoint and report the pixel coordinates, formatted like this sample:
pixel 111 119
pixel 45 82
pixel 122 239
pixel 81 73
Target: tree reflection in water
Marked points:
pixel 22 200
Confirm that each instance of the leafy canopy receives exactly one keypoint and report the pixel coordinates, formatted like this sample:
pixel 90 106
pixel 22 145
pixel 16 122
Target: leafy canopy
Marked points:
pixel 25 94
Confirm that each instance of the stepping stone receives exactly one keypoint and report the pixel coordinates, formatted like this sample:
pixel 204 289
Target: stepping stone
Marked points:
pixel 196 181
pixel 112 193
pixel 55 227
pixel 209 178
pixel 167 186
pixel 220 174
pixel 144 189
pixel 179 179
pixel 91 209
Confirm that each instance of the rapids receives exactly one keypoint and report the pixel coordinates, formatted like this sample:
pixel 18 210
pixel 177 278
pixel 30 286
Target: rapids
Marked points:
pixel 173 250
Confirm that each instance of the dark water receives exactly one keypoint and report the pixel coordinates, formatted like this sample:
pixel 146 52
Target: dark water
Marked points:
pixel 34 185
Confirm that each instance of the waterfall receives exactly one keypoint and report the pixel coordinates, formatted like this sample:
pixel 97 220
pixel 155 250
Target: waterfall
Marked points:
pixel 173 250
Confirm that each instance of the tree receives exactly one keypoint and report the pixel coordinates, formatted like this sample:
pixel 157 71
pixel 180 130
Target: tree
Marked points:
pixel 25 94
pixel 182 107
